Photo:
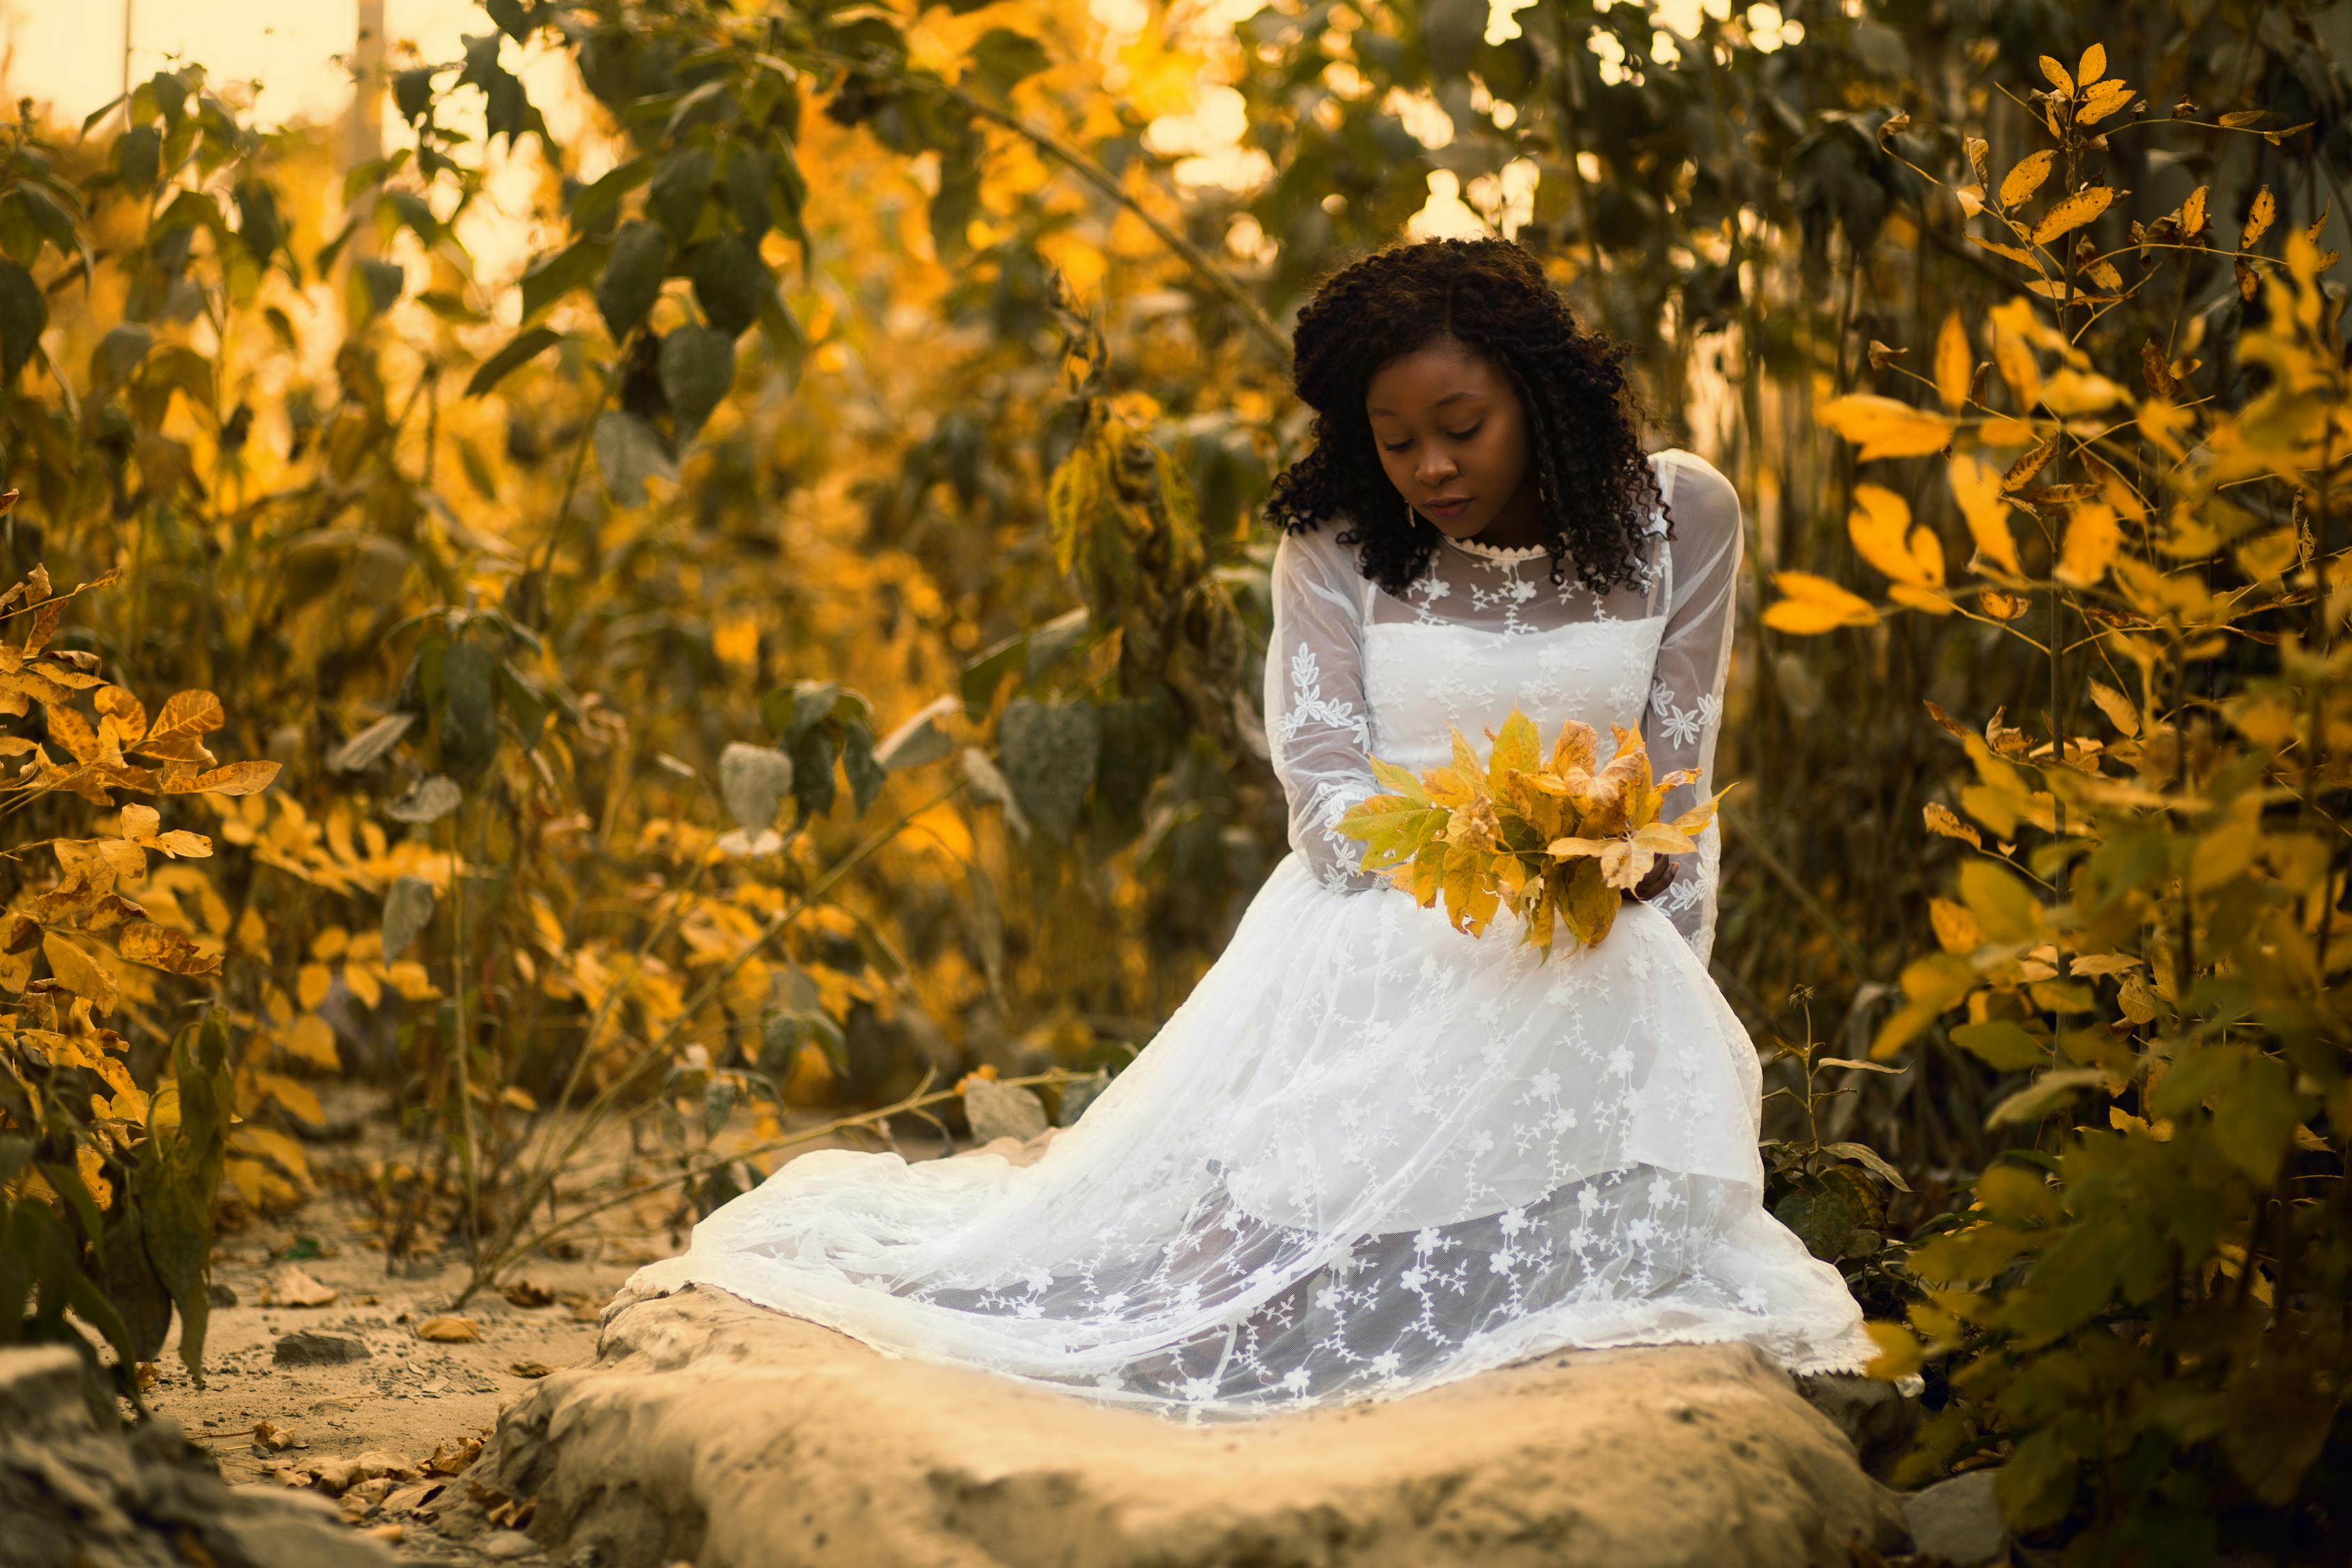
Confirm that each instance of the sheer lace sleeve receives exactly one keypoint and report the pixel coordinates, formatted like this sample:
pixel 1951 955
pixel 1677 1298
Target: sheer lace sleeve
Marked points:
pixel 1693 658
pixel 1318 723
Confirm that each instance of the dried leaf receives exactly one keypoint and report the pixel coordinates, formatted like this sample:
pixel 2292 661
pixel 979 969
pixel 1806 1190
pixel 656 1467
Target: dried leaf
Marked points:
pixel 160 947
pixel 2073 212
pixel 2259 219
pixel 2192 213
pixel 293 1287
pixel 1945 822
pixel 450 1330
pixel 186 718
pixel 2027 176
pixel 78 972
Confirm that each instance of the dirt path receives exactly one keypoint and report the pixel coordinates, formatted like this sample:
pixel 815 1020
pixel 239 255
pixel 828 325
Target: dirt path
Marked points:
pixel 355 1395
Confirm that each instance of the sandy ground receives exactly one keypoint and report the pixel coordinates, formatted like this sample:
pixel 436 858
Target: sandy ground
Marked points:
pixel 410 1396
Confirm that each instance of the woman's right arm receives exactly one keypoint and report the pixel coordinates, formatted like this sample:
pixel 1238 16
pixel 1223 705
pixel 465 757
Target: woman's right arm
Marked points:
pixel 1318 723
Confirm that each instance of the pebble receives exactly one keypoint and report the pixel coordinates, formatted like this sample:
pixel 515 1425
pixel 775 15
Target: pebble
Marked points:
pixel 308 1347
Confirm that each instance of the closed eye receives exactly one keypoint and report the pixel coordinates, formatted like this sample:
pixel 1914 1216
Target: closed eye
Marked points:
pixel 1454 434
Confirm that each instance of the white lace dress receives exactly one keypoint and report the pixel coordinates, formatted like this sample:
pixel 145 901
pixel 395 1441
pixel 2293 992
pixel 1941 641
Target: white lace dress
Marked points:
pixel 1367 1154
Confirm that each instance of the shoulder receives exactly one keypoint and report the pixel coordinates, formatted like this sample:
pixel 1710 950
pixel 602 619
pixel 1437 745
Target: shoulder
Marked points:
pixel 1315 553
pixel 1704 504
pixel 1685 477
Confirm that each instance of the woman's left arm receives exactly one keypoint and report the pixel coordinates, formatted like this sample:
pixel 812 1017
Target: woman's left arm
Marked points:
pixel 1694 660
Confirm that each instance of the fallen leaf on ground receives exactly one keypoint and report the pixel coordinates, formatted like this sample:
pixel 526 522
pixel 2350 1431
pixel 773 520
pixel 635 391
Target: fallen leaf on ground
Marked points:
pixel 450 1330
pixel 524 1293
pixel 452 1454
pixel 390 1534
pixel 584 1308
pixel 290 1286
pixel 530 1369
pixel 269 1437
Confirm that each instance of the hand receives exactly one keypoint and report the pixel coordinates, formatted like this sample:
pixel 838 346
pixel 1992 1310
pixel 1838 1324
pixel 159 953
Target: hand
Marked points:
pixel 1661 877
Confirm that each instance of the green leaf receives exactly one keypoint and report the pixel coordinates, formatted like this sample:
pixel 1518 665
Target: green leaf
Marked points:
pixel 381 282
pixel 508 18
pixel 628 453
pixel 813 752
pixel 118 355
pixel 697 368
pixel 258 224
pixel 633 276
pixel 1047 753
pixel 407 910
pixel 2045 1094
pixel 412 92
pixel 549 278
pixel 680 188
pixel 469 720
pixel 1870 1160
pixel 865 776
pixel 596 207
pixel 1001 58
pixel 2002 1044
pixel 730 282
pixel 23 316
pixel 921 739
pixel 525 346
pixel 139 159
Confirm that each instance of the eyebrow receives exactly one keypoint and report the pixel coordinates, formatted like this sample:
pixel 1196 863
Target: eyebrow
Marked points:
pixel 1439 404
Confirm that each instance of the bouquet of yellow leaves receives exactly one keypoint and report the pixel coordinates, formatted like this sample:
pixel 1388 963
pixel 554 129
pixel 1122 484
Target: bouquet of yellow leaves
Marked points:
pixel 1558 840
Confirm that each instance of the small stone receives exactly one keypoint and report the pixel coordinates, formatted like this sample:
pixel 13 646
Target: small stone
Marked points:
pixel 508 1546
pixel 308 1347
pixel 1959 1522
pixel 220 1294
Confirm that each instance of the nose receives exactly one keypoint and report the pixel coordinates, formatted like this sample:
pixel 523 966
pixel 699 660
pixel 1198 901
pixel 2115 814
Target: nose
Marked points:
pixel 1433 470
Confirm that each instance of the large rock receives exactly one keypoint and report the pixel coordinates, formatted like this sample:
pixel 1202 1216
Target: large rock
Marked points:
pixel 79 1493
pixel 713 1430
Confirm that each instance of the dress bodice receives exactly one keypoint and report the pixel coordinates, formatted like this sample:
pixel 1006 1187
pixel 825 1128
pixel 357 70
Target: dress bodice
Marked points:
pixel 1423 680
pixel 1356 672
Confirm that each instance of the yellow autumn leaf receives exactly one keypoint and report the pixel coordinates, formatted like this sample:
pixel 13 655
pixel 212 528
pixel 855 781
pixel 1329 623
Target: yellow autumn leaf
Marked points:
pixel 1956 927
pixel 1954 364
pixel 2093 536
pixel 2071 392
pixel 1813 604
pixel 79 971
pixel 2057 75
pixel 2259 219
pixel 1885 428
pixel 2102 102
pixel 2116 707
pixel 1943 821
pixel 2093 67
pixel 1976 487
pixel 312 1039
pixel 2026 176
pixel 2072 211
pixel 1878 526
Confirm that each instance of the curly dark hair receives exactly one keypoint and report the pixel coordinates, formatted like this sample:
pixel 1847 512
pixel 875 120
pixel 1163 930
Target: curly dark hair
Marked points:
pixel 1595 487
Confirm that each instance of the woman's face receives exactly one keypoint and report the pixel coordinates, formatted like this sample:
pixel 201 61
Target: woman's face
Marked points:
pixel 1453 436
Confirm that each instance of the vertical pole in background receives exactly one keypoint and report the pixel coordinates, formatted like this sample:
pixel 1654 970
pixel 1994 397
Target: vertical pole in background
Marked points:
pixel 364 136
pixel 127 5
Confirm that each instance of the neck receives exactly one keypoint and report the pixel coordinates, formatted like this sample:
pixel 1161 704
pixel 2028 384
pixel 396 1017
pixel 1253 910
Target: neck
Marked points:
pixel 1517 526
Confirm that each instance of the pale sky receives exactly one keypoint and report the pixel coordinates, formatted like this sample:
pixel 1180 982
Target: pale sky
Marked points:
pixel 69 53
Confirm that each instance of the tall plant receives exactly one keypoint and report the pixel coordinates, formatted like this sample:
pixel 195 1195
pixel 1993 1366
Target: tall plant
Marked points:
pixel 2144 1309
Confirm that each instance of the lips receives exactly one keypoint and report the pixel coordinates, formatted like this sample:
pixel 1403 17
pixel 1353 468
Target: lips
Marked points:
pixel 1448 506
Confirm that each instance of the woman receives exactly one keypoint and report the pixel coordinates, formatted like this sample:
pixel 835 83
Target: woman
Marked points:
pixel 1369 1153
